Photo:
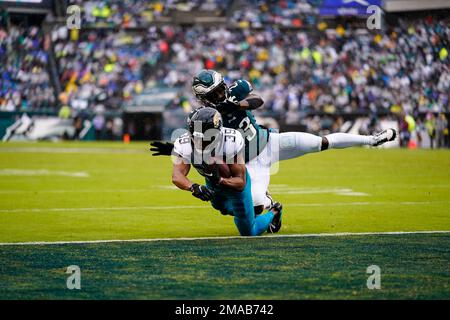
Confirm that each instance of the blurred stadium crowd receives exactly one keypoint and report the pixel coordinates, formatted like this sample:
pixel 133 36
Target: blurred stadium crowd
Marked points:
pixel 251 13
pixel 300 65
pixel 25 82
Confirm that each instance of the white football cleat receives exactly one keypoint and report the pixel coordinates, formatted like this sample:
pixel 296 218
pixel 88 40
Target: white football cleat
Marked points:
pixel 269 196
pixel 383 137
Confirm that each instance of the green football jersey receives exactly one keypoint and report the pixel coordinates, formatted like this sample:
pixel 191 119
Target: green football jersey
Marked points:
pixel 255 136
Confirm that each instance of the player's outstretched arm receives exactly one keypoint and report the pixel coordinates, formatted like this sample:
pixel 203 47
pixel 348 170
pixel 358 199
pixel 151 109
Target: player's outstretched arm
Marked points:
pixel 252 102
pixel 179 178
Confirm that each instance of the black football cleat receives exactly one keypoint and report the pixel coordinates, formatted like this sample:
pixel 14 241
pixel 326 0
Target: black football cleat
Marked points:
pixel 275 225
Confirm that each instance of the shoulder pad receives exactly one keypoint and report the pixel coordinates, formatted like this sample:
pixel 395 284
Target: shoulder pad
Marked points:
pixel 182 146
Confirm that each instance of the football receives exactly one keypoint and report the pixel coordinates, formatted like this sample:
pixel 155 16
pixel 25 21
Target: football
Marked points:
pixel 224 170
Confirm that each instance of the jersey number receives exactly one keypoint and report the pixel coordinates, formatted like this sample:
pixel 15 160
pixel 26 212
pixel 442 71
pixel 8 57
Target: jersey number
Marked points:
pixel 185 140
pixel 249 131
pixel 230 135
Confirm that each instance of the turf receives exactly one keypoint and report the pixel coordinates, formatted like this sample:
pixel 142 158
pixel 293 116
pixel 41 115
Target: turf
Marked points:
pixel 95 191
pixel 412 267
pixel 406 190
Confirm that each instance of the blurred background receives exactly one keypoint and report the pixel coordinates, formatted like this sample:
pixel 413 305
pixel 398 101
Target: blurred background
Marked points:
pixel 126 73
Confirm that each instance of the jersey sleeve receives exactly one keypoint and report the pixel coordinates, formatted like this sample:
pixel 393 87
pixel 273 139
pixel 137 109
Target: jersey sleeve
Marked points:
pixel 234 143
pixel 182 148
pixel 240 143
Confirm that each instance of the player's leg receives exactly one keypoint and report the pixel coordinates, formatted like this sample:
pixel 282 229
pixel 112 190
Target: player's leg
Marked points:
pixel 346 140
pixel 259 172
pixel 244 214
pixel 220 201
pixel 291 145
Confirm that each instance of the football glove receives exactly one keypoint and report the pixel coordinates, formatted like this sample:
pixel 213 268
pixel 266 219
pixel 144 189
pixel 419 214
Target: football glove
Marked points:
pixel 201 192
pixel 211 172
pixel 233 100
pixel 226 107
pixel 161 148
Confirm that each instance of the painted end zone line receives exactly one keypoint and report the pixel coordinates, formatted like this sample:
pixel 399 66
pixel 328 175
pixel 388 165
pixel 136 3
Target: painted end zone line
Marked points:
pixel 306 235
pixel 335 204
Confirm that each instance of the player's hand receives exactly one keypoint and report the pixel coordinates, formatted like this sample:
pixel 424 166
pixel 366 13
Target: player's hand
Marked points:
pixel 201 192
pixel 215 176
pixel 226 107
pixel 161 148
pixel 233 100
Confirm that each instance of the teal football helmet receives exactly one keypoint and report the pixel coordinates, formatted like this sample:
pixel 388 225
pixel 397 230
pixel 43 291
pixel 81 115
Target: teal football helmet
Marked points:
pixel 209 88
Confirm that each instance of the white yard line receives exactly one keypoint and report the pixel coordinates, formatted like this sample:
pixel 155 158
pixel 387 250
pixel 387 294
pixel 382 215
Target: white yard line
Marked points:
pixel 306 235
pixel 149 189
pixel 101 209
pixel 287 205
pixel 42 172
pixel 301 190
pixel 338 191
pixel 75 150
pixel 376 203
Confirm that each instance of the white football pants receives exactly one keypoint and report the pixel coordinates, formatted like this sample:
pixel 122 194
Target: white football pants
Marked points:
pixel 289 145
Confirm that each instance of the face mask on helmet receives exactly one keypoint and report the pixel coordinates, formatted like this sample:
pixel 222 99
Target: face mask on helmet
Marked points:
pixel 217 95
pixel 205 128
pixel 207 140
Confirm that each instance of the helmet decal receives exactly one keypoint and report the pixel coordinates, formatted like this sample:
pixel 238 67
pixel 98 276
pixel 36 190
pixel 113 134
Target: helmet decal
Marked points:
pixel 216 119
pixel 206 82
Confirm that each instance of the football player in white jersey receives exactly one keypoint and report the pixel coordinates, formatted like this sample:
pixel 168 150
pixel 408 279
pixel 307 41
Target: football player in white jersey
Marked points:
pixel 216 153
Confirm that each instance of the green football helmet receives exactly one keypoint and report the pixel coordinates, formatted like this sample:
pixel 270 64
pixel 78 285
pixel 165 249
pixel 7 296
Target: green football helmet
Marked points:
pixel 209 88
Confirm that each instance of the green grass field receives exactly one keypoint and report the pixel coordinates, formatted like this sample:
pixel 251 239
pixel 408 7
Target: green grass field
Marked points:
pixel 110 191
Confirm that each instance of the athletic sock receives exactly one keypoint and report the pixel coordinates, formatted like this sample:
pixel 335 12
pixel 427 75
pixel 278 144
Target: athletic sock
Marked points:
pixel 267 203
pixel 346 140
pixel 262 222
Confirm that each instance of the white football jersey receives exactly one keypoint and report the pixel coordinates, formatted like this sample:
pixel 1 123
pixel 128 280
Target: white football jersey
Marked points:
pixel 232 143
